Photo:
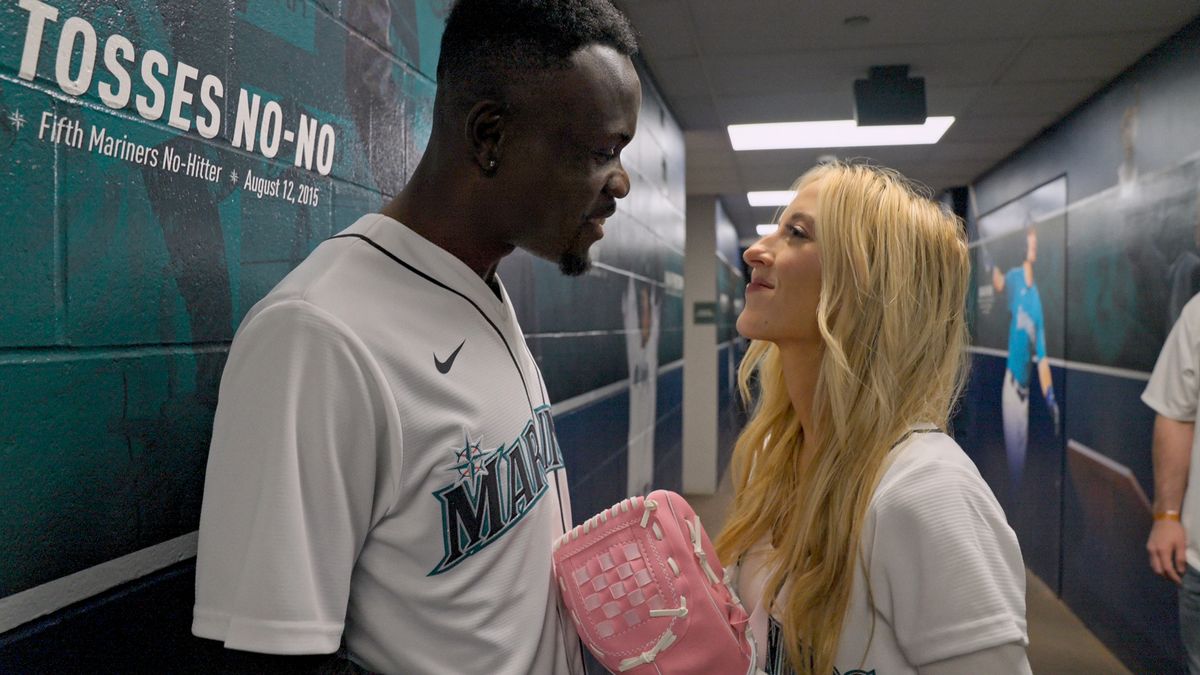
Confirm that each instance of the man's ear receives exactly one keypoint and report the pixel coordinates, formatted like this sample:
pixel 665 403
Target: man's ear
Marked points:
pixel 486 129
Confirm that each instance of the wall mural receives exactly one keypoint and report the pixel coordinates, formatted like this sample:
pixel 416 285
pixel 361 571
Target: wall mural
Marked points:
pixel 1018 274
pixel 1132 265
pixel 171 161
pixel 171 169
pixel 1099 284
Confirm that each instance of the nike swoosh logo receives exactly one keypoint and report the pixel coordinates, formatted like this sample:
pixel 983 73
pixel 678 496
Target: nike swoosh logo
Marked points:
pixel 445 366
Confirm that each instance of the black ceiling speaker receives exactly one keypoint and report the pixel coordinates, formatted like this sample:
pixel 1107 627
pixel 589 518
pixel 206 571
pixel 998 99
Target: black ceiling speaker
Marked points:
pixel 890 96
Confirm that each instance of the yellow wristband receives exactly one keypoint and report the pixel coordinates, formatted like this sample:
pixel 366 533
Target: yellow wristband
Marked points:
pixel 1167 515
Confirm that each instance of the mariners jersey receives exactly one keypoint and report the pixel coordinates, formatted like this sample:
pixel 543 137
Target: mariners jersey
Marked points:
pixel 1026 329
pixel 384 470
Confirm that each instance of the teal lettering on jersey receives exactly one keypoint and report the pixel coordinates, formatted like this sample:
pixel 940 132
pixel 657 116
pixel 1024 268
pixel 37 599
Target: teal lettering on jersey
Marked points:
pixel 494 489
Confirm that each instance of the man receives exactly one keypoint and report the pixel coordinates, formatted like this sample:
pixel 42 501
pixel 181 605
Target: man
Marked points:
pixel 383 471
pixel 1173 393
pixel 1026 340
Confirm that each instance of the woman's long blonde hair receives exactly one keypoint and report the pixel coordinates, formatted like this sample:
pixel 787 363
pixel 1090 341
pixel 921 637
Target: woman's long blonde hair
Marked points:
pixel 894 274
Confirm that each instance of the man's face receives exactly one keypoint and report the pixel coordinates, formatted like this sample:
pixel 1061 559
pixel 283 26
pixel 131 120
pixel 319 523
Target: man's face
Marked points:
pixel 561 170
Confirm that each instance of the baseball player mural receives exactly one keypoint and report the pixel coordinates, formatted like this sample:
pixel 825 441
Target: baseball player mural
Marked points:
pixel 1026 342
pixel 1019 272
pixel 640 309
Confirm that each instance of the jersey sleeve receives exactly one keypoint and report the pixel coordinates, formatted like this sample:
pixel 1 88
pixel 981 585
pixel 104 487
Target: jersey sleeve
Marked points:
pixel 296 477
pixel 1172 389
pixel 946 569
pixel 1013 279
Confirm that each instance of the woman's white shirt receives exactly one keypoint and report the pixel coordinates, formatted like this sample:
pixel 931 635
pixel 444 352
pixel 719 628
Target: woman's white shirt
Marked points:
pixel 947 582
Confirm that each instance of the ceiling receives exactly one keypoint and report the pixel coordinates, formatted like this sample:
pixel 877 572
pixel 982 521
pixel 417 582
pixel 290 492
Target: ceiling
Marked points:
pixel 1006 69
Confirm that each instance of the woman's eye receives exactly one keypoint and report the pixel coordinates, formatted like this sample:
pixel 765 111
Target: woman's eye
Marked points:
pixel 797 231
pixel 606 154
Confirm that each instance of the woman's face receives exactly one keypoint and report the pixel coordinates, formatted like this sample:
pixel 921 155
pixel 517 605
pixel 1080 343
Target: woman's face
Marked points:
pixel 785 277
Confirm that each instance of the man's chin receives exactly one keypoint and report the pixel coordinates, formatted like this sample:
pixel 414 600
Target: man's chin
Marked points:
pixel 574 265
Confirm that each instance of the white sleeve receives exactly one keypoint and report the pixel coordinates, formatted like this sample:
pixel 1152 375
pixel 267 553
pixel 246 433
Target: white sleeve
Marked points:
pixel 295 480
pixel 1172 390
pixel 946 569
pixel 1009 659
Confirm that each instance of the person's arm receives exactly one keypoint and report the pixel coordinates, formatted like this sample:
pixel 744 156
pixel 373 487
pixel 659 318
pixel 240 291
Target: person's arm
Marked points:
pixel 1172 453
pixel 1043 367
pixel 295 480
pixel 946 568
pixel 1044 379
pixel 986 262
pixel 1009 659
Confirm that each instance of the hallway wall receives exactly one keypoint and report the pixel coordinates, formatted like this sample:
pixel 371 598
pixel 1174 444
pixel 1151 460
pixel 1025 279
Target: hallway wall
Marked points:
pixel 1112 193
pixel 125 277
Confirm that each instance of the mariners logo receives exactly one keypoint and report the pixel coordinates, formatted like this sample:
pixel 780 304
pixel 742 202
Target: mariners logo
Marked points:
pixel 494 488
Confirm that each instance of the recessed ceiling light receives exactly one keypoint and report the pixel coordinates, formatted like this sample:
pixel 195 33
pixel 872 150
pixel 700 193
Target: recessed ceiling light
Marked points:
pixel 770 198
pixel 835 134
pixel 765 229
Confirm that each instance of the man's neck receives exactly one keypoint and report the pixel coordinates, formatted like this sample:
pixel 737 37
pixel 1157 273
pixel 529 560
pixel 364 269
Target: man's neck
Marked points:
pixel 440 208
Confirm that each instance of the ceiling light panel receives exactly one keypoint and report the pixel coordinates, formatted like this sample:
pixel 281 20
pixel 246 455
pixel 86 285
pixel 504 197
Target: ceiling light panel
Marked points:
pixel 771 197
pixel 834 134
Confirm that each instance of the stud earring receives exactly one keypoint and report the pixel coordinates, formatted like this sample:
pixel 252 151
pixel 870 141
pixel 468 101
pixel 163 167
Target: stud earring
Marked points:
pixel 492 164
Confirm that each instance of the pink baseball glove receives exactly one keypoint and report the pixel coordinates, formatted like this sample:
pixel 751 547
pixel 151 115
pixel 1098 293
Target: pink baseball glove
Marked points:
pixel 647 592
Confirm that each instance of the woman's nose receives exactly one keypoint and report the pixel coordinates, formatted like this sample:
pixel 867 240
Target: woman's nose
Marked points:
pixel 758 253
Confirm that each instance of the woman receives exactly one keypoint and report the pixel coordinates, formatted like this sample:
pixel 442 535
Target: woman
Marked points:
pixel 863 537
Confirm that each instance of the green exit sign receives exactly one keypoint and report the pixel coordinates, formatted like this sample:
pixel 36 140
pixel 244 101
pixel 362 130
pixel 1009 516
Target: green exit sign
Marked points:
pixel 704 312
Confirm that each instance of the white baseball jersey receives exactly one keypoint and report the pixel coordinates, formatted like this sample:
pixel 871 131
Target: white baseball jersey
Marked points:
pixel 384 468
pixel 945 570
pixel 1174 393
pixel 643 389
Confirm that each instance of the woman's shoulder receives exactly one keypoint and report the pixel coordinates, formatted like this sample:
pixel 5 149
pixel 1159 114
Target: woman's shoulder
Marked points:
pixel 928 472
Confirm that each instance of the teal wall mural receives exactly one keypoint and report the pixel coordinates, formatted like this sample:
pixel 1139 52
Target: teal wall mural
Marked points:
pixel 168 163
pixel 172 162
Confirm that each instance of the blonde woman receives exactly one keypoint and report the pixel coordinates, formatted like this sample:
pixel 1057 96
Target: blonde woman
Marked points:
pixel 863 538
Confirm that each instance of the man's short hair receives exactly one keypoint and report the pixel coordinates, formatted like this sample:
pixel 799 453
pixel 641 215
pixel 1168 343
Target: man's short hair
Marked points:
pixel 489 43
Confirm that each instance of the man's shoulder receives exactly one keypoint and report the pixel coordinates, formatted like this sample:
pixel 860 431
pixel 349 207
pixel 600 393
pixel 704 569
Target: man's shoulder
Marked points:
pixel 1185 332
pixel 338 276
pixel 1191 311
